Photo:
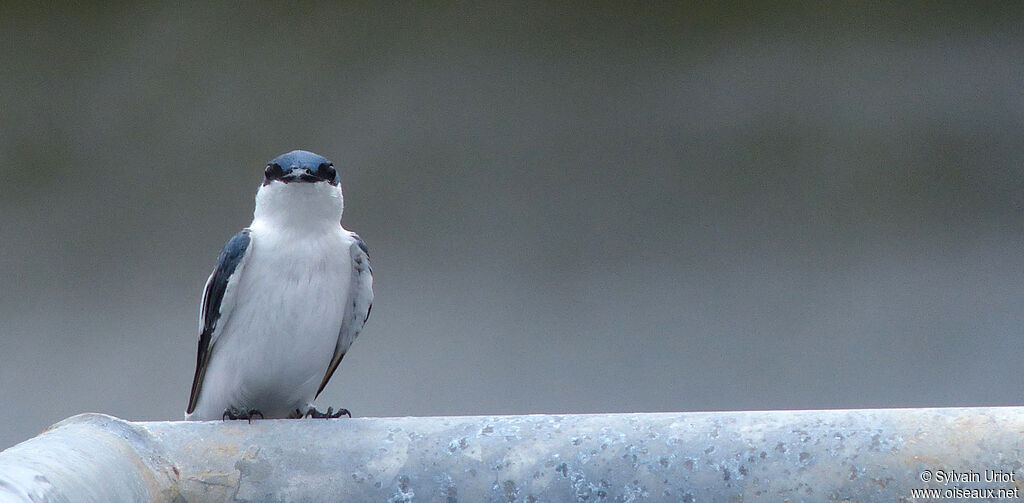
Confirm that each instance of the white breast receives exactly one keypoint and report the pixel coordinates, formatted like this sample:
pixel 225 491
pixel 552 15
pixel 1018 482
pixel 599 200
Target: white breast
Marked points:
pixel 278 340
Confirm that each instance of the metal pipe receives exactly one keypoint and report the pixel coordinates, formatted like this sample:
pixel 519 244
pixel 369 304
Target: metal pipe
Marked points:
pixel 818 455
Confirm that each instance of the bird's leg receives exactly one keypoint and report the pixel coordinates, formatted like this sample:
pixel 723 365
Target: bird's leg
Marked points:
pixel 330 414
pixel 233 413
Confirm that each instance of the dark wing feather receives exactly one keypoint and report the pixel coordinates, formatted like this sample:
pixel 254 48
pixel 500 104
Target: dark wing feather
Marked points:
pixel 357 309
pixel 210 312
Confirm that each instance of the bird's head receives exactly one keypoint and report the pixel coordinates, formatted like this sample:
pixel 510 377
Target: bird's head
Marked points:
pixel 299 166
pixel 300 188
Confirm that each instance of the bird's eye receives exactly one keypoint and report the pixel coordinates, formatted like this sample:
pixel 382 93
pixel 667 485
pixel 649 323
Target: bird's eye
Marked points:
pixel 326 172
pixel 274 171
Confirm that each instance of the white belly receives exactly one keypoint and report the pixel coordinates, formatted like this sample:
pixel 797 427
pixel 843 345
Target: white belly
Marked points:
pixel 279 336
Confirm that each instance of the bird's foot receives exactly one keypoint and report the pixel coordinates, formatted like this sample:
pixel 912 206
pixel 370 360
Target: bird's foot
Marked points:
pixel 233 413
pixel 330 414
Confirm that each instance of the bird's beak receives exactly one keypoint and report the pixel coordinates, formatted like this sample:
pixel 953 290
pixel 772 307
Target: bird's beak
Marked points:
pixel 300 175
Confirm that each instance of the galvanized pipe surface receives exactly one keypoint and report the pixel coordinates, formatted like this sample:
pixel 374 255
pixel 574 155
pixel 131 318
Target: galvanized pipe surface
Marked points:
pixel 826 455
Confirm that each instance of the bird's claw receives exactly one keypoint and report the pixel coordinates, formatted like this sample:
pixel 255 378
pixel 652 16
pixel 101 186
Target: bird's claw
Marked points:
pixel 233 413
pixel 330 414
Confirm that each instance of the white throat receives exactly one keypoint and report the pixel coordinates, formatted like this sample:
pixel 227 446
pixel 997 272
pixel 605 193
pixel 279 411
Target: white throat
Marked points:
pixel 299 207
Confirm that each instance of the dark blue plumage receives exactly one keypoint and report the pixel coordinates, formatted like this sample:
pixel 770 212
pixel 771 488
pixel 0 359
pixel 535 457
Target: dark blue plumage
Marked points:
pixel 228 261
pixel 301 166
pixel 253 302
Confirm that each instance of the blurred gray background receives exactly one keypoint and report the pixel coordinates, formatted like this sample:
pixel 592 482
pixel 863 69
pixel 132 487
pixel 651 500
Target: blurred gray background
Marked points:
pixel 589 208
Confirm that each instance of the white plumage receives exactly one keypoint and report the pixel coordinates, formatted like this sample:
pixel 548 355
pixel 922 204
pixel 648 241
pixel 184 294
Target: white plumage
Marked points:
pixel 297 298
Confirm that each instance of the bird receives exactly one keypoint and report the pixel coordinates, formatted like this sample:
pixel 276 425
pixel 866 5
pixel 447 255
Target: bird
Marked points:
pixel 288 296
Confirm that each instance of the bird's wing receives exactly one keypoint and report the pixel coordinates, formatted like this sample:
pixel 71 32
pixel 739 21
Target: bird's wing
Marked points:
pixel 218 298
pixel 357 309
